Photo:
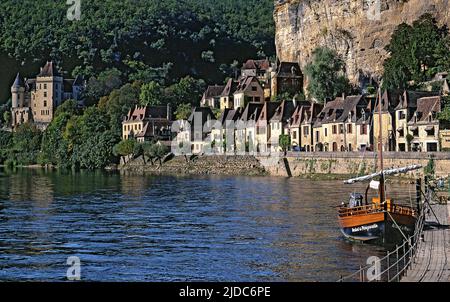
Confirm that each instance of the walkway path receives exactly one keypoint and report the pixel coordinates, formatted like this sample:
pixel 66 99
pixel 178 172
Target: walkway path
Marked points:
pixel 432 261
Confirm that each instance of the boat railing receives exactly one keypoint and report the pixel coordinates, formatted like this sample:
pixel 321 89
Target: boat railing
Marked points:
pixel 376 208
pixel 361 210
pixel 395 264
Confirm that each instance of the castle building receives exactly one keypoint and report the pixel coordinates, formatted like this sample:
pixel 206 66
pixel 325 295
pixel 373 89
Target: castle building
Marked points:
pixel 35 100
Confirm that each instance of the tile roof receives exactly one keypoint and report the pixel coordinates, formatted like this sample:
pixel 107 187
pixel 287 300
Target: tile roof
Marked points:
pixel 18 82
pixel 289 69
pixel 245 82
pixel 251 112
pixel 49 70
pixel 284 111
pixel 257 64
pixel 409 98
pixel 339 110
pixel 267 112
pixel 425 107
pixel 146 113
pixel 213 91
pixel 230 88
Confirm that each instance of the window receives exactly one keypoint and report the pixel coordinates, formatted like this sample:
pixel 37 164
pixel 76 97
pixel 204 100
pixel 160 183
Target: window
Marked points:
pixel 294 136
pixel 45 86
pixel 45 103
pixel 254 88
pixel 401 115
pixel 257 99
pixel 341 129
pixel 334 129
pixel 326 132
pixel 45 94
pixel 363 130
pixel 305 131
pixel 349 128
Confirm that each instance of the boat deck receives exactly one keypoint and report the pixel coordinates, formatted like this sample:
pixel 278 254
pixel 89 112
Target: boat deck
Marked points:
pixel 432 260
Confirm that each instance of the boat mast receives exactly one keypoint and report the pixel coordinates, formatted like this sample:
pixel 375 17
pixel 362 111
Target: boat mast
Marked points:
pixel 380 147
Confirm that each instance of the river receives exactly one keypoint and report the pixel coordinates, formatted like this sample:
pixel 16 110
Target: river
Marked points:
pixel 153 228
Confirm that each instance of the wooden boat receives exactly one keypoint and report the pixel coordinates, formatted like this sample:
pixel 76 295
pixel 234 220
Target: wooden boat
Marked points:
pixel 377 221
pixel 380 220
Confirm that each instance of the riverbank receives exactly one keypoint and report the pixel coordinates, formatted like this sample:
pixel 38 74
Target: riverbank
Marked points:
pixel 202 165
pixel 319 166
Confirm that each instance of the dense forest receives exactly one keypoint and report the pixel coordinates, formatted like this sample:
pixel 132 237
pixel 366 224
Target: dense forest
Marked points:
pixel 144 39
pixel 132 52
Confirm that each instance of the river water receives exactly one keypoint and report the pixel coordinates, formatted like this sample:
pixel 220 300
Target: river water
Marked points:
pixel 153 228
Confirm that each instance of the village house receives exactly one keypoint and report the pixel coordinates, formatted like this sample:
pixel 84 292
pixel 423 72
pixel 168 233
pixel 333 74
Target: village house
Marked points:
pixel 286 77
pixel 301 127
pixel 404 112
pixel 336 126
pixel 279 124
pixel 245 133
pixel 249 90
pixel 223 133
pixel 35 100
pixel 198 131
pixel 226 97
pixel 424 125
pixel 211 97
pixel 389 102
pixel 262 126
pixel 262 70
pixel 151 123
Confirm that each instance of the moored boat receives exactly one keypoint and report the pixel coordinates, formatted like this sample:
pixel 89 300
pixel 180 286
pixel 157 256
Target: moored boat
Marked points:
pixel 381 220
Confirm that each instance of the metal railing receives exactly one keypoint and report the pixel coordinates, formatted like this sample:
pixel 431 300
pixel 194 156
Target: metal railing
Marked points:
pixel 396 263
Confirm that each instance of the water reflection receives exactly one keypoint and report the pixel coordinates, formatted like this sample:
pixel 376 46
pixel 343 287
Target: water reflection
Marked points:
pixel 137 228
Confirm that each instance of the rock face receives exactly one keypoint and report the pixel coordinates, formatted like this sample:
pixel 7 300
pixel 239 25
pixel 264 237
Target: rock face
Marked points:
pixel 352 27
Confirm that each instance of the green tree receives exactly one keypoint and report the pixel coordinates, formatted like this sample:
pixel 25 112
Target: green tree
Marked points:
pixel 187 90
pixel 417 52
pixel 183 111
pixel 7 118
pixel 284 142
pixel 151 94
pixel 26 144
pixel 326 75
pixel 125 148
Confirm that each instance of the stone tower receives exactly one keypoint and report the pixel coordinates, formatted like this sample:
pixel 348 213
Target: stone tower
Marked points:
pixel 48 94
pixel 18 92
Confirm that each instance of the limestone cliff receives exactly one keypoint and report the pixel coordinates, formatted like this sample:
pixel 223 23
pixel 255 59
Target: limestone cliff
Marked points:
pixel 349 26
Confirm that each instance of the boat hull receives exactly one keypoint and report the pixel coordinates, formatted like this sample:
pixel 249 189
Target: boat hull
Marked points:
pixel 379 229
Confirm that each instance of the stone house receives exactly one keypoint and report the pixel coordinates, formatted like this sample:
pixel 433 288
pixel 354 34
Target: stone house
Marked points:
pixel 263 131
pixel 279 124
pixel 151 123
pixel 249 90
pixel 226 97
pixel 336 128
pixel 389 102
pixel 35 100
pixel 223 133
pixel 424 125
pixel 286 77
pixel 211 97
pixel 403 114
pixel 309 117
pixel 261 69
pixel 245 133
